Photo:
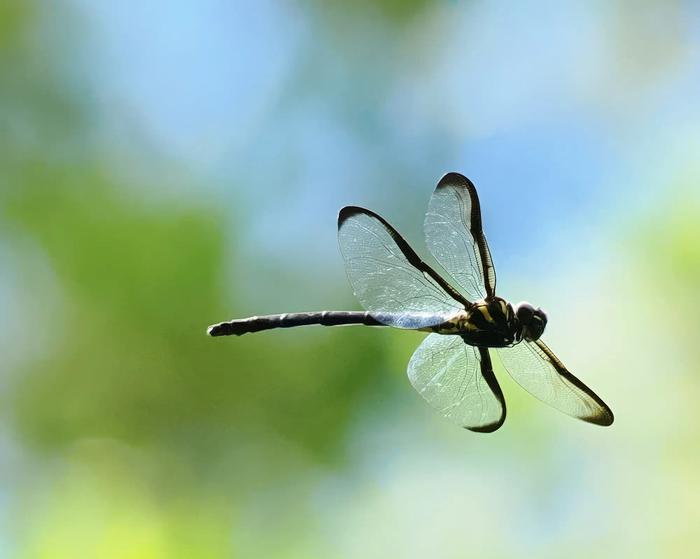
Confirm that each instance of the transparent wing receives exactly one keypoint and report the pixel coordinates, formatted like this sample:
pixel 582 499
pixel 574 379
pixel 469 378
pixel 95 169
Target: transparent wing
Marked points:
pixel 455 237
pixel 534 367
pixel 388 277
pixel 458 381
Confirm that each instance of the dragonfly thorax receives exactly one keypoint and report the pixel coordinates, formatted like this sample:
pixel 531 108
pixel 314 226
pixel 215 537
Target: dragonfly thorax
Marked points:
pixel 495 323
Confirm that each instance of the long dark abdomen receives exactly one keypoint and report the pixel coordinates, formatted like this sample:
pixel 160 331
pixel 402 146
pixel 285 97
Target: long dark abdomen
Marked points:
pixel 290 320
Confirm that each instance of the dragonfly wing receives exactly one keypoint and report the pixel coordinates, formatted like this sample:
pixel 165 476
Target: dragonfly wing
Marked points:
pixel 458 381
pixel 534 367
pixel 455 237
pixel 388 277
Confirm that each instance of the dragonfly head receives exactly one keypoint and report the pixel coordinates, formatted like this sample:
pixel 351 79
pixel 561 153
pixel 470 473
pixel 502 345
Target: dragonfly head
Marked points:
pixel 532 321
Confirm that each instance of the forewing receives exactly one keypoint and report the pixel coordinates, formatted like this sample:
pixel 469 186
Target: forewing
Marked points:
pixel 388 277
pixel 455 236
pixel 534 367
pixel 458 381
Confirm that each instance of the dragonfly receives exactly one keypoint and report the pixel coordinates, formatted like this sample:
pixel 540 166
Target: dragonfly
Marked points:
pixel 466 321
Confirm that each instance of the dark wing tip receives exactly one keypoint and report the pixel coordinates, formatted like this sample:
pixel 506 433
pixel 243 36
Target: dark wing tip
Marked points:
pixel 454 179
pixel 490 428
pixel 350 211
pixel 604 419
pixel 347 212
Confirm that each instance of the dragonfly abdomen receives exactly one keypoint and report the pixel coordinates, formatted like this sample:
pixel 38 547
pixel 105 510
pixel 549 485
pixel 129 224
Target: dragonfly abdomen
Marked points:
pixel 251 324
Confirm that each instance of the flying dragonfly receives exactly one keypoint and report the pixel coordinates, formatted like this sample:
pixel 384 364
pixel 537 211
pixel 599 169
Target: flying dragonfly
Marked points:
pixel 452 368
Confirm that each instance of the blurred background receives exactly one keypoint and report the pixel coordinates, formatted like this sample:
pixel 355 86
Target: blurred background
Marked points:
pixel 167 165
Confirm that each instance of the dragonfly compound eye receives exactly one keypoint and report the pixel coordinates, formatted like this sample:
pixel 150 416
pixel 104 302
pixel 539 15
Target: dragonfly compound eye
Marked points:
pixel 531 320
pixel 534 329
pixel 524 311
